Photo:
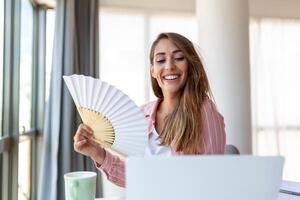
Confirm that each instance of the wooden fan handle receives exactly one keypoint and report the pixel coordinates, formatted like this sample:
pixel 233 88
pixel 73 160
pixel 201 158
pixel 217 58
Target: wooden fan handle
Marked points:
pixel 109 148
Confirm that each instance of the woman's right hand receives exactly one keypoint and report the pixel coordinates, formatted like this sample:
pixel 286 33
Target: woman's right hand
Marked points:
pixel 84 143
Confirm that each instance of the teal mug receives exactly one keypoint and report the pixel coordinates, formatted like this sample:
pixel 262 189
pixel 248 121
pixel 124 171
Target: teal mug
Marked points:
pixel 80 185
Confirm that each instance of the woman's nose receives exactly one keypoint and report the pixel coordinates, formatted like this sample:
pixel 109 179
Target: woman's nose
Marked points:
pixel 169 64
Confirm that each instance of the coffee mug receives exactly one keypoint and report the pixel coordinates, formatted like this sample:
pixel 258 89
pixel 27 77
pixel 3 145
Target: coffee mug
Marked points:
pixel 80 185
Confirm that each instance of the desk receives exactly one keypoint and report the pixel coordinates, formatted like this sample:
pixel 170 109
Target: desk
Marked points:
pixel 289 191
pixel 286 187
pixel 281 196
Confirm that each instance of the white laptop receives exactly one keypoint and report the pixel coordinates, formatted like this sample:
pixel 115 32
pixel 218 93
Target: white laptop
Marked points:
pixel 289 190
pixel 203 177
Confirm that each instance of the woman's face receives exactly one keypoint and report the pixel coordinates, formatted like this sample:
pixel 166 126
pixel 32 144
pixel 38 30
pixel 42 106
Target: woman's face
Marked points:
pixel 169 68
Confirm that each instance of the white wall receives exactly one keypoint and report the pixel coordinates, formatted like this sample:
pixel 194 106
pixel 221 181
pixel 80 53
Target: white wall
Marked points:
pixel 152 5
pixel 266 8
pixel 275 8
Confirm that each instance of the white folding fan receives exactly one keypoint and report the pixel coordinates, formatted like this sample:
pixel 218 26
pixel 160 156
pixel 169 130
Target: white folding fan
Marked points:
pixel 118 124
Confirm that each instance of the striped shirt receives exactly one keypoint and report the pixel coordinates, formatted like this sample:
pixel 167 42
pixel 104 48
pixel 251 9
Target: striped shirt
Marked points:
pixel 213 136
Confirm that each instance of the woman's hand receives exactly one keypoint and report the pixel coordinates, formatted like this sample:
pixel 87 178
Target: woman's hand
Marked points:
pixel 84 144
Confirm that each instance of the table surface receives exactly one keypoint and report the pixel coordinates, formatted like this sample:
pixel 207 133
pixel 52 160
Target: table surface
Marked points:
pixel 286 186
pixel 281 196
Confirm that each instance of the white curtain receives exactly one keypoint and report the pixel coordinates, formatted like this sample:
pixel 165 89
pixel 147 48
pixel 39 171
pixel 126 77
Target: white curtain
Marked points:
pixel 275 88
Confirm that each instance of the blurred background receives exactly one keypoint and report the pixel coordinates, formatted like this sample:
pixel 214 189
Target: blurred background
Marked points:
pixel 251 52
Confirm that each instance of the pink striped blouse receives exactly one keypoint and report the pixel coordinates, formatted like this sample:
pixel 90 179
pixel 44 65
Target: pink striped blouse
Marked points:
pixel 214 139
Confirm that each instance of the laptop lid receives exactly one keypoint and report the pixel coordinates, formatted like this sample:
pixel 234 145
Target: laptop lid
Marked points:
pixel 289 190
pixel 203 177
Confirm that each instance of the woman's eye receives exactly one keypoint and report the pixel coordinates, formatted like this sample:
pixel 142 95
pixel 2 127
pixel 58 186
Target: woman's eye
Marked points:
pixel 160 61
pixel 179 58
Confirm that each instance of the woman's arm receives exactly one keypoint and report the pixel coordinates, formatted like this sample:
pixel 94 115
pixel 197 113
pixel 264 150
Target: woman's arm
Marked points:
pixel 114 168
pixel 213 129
pixel 111 165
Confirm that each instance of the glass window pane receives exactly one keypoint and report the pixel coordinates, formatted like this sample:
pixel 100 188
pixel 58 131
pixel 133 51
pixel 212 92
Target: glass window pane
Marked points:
pixel 1 59
pixel 50 21
pixel 24 170
pixel 275 50
pixel 122 56
pixel 180 23
pixel 26 65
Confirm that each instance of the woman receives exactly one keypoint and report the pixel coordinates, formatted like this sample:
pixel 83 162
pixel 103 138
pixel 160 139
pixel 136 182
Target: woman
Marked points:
pixel 183 120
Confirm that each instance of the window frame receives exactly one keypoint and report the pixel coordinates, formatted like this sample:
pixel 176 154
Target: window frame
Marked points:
pixel 9 165
pixel 9 142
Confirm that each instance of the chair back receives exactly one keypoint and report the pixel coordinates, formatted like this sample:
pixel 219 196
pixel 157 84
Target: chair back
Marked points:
pixel 231 149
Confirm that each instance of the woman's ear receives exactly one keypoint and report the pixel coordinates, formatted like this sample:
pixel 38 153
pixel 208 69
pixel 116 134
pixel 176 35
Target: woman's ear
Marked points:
pixel 152 71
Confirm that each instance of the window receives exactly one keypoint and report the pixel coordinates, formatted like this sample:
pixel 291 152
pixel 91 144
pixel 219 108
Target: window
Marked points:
pixel 1 76
pixel 275 50
pixel 121 59
pixel 21 88
pixel 25 99
pixel 26 57
pixel 49 48
pixel 1 59
pixel 24 170
pixel 184 24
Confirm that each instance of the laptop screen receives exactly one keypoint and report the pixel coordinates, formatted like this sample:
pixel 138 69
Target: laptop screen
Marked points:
pixel 203 177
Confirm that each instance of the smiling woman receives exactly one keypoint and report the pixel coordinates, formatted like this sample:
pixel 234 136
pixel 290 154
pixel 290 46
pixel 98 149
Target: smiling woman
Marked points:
pixel 132 64
pixel 183 119
pixel 179 80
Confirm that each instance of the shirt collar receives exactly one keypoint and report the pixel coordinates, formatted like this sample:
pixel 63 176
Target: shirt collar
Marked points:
pixel 152 115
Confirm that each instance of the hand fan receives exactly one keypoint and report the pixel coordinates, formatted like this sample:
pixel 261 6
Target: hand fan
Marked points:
pixel 118 124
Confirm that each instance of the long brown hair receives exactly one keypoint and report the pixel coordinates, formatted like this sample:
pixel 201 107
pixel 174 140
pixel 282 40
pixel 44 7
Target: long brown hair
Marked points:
pixel 182 128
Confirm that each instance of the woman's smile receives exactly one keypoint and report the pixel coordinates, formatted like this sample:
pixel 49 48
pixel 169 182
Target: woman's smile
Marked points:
pixel 171 77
